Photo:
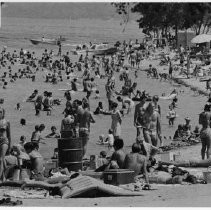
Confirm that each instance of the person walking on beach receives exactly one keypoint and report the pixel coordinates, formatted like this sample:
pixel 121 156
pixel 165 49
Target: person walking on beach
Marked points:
pixel 116 121
pixel 205 134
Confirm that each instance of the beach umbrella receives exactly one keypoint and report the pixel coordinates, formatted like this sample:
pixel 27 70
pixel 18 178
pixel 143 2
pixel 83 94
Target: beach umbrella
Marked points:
pixel 202 38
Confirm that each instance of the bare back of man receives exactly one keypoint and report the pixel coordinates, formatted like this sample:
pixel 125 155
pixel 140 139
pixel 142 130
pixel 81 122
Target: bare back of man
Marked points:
pixel 135 162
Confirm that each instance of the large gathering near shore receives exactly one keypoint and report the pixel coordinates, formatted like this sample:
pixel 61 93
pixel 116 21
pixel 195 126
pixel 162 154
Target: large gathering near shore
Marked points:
pixel 86 103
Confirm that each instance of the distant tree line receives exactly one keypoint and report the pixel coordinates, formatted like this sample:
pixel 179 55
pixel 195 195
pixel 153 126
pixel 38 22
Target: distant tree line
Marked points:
pixel 163 17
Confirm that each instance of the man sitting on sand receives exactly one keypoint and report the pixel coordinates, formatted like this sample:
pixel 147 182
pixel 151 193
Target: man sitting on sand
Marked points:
pixel 118 157
pixel 136 162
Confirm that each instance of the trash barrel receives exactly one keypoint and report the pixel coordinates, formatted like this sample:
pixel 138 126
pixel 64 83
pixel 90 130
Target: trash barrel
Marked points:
pixel 70 153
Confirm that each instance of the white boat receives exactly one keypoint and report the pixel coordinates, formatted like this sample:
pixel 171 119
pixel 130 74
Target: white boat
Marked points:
pixel 46 41
pixel 95 49
pixel 102 49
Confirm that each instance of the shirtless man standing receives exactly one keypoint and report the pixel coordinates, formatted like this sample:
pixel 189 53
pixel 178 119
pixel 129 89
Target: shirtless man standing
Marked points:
pixel 138 114
pixel 152 126
pixel 205 134
pixel 136 162
pixel 84 121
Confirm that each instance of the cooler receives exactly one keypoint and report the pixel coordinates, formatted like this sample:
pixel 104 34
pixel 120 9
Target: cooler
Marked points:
pixel 118 176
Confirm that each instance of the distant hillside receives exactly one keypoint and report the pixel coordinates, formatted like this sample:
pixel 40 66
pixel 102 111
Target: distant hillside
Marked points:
pixel 60 10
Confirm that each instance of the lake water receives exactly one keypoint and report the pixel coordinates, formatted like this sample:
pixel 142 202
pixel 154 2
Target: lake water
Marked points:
pixel 16 32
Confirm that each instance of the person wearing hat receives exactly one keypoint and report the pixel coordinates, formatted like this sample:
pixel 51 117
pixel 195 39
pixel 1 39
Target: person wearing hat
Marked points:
pixel 205 134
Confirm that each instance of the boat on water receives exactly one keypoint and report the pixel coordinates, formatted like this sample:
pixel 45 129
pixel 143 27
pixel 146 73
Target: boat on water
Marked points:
pixel 95 49
pixel 102 49
pixel 47 41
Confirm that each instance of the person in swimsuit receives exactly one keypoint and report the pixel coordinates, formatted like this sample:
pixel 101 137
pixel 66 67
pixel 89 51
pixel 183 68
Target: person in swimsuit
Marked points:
pixel 116 121
pixel 151 125
pixel 205 134
pixel 5 140
pixel 136 162
pixel 36 161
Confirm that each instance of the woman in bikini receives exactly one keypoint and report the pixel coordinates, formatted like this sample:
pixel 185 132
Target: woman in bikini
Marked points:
pixel 5 140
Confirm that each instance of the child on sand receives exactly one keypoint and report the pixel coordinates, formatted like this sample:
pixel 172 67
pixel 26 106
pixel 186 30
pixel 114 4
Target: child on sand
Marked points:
pixel 101 139
pixel 102 159
pixel 110 139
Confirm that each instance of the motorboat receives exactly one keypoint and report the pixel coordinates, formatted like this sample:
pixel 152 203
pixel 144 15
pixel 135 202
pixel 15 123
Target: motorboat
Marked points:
pixel 47 41
pixel 95 49
pixel 102 49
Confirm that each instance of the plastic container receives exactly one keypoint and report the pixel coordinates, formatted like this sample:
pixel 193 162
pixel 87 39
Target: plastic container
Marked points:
pixel 118 176
pixel 177 157
pixel 167 157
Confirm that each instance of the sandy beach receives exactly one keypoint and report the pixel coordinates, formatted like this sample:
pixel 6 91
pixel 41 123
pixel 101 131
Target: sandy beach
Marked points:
pixel 190 104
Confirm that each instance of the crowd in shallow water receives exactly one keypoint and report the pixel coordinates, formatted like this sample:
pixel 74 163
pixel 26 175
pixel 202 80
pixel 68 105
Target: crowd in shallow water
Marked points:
pixel 77 114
